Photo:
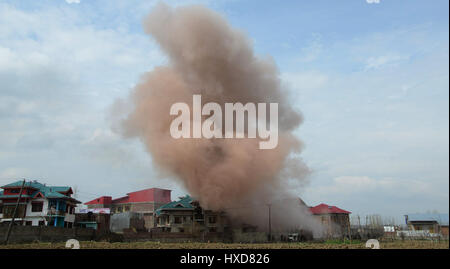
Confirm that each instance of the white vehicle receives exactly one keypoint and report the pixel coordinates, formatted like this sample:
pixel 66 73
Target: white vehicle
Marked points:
pixel 293 237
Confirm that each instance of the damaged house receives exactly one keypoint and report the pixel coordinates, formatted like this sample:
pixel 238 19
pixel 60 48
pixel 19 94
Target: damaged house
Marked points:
pixel 335 220
pixel 187 216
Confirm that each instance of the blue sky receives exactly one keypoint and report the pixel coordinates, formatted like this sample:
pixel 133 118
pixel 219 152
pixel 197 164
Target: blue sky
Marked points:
pixel 371 80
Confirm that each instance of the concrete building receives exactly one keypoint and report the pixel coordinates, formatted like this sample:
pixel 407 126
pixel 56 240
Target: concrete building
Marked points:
pixel 97 221
pixel 143 202
pixel 432 223
pixel 39 205
pixel 335 220
pixel 187 216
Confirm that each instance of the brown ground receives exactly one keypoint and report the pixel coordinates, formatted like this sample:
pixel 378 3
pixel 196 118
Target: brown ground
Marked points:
pixel 408 244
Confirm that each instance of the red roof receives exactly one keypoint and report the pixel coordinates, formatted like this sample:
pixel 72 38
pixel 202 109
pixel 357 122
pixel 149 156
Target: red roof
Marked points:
pixel 148 195
pixel 327 209
pixel 104 200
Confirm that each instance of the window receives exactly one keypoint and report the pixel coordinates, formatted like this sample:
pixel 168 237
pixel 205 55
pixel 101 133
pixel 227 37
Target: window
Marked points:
pixel 127 208
pixel 41 223
pixel 178 220
pixel 212 219
pixel 37 206
pixel 8 211
pixel 212 229
pixel 181 230
pixel 14 191
pixel 28 223
pixel 1 209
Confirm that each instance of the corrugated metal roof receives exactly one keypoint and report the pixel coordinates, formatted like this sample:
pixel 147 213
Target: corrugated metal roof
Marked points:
pixel 47 191
pixel 327 209
pixel 183 203
pixel 32 184
pixel 442 219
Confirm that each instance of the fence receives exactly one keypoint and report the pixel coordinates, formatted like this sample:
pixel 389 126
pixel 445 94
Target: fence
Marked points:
pixel 25 234
pixel 172 237
pixel 421 235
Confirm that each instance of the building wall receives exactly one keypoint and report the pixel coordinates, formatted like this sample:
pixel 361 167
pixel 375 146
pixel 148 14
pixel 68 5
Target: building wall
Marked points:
pixel 126 220
pixel 183 221
pixel 431 227
pixel 147 210
pixel 335 225
pixel 98 206
pixel 21 234
pixel 102 221
pixel 444 231
pixel 35 217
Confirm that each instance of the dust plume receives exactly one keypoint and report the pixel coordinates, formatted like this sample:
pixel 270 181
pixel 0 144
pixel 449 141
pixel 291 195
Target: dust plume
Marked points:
pixel 209 57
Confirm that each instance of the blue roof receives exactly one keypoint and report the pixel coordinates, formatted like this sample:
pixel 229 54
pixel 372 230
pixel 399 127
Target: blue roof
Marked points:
pixel 183 203
pixel 442 219
pixel 47 191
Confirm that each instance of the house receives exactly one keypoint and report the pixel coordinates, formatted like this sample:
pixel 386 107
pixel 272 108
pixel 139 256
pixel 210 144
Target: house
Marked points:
pixel 1 205
pixel 119 222
pixel 39 205
pixel 143 202
pixel 187 216
pixel 93 219
pixel 335 220
pixel 432 223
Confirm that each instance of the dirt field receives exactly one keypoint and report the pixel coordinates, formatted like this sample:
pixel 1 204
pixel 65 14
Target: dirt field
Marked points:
pixel 313 245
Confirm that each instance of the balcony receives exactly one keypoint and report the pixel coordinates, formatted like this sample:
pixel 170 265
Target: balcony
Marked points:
pixel 56 213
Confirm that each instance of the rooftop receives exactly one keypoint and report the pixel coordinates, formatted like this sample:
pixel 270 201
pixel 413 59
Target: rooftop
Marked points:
pixel 46 191
pixel 183 203
pixel 156 195
pixel 327 209
pixel 442 219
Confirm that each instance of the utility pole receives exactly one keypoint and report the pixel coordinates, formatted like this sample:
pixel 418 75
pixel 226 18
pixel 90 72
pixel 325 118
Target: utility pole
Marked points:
pixel 14 213
pixel 270 225
pixel 349 230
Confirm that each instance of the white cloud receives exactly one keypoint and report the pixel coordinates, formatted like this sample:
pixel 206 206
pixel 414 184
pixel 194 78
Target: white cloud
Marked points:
pixel 73 1
pixel 12 173
pixel 384 60
pixel 307 80
pixel 313 50
pixel 58 75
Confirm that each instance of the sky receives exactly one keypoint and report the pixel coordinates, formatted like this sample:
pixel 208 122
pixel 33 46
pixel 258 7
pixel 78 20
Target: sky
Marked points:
pixel 371 80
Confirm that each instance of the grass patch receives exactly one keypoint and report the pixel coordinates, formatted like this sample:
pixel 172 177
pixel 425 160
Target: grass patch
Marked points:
pixel 331 244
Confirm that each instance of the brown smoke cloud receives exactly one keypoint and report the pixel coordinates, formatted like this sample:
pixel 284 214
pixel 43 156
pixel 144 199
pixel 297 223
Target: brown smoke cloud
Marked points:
pixel 209 57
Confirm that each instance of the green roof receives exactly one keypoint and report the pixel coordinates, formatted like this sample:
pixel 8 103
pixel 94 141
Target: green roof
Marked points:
pixel 183 203
pixel 47 191
pixel 32 184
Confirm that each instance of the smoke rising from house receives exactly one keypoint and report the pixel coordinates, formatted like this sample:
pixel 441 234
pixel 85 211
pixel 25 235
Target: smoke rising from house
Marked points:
pixel 209 57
